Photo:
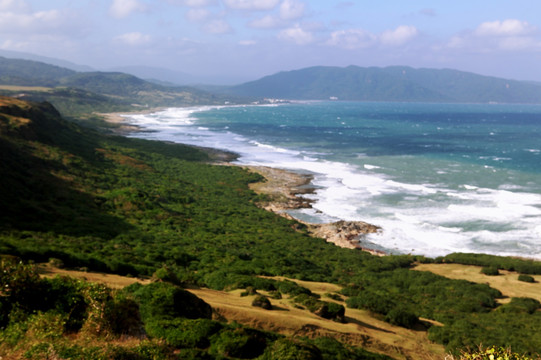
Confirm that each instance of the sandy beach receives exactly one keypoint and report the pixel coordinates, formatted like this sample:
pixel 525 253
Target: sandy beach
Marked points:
pixel 284 189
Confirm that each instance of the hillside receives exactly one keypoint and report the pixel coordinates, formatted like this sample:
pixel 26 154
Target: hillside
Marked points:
pixel 78 199
pixel 390 84
pixel 76 93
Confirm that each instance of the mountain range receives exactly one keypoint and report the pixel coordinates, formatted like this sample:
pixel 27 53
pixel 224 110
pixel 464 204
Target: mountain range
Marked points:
pixel 352 83
pixel 396 83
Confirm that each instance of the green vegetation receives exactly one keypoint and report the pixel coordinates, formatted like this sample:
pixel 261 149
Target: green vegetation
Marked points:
pixel 66 318
pixel 145 208
pixel 526 278
pixel 395 83
pixel 79 93
pixel 490 271
pixel 493 353
pixel 522 266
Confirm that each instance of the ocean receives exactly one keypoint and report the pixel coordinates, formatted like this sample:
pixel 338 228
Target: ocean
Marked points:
pixel 437 178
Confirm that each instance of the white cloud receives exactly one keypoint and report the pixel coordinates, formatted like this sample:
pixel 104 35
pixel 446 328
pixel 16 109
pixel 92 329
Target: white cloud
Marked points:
pixel 266 22
pixel 360 39
pixel 247 42
pixel 217 27
pixel 122 8
pixel 291 9
pixel 14 5
pixel 352 39
pixel 509 35
pixel 133 39
pixel 199 3
pixel 251 4
pixel 40 21
pixel 197 15
pixel 297 35
pixel 509 27
pixel 398 36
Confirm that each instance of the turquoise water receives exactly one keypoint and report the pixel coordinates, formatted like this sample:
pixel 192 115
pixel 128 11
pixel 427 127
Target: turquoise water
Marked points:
pixel 437 178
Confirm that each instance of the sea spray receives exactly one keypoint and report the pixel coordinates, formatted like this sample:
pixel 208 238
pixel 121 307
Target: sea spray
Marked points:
pixel 438 178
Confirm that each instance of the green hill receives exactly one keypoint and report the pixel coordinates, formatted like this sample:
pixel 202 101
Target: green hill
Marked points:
pixel 75 93
pixel 390 84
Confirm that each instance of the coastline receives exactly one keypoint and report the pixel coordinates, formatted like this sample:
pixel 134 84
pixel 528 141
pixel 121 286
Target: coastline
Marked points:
pixel 284 188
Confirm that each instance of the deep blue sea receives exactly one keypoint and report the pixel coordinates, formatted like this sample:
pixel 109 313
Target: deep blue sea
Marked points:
pixel 438 178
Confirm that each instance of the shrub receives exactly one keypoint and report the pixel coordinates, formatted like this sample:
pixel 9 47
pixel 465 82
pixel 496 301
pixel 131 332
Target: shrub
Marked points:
pixel 493 353
pixel 372 302
pixel 521 305
pixel 290 349
pixel 490 270
pixel 166 301
pixel 526 278
pixel 239 343
pixel 184 333
pixel 262 302
pixel 401 317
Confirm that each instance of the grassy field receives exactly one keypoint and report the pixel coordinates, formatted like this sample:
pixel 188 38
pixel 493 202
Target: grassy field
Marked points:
pixel 361 329
pixel 24 88
pixel 507 282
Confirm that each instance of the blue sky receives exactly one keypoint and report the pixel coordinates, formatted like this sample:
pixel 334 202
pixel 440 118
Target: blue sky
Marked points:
pixel 246 39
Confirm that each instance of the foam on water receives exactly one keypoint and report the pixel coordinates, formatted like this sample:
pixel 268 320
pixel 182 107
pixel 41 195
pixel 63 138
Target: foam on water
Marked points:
pixel 485 213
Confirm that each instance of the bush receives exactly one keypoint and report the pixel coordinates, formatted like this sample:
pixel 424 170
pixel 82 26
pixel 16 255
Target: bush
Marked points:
pixel 526 278
pixel 289 349
pixel 493 353
pixel 401 317
pixel 184 333
pixel 262 302
pixel 521 305
pixel 490 271
pixel 239 343
pixel 165 301
pixel 372 302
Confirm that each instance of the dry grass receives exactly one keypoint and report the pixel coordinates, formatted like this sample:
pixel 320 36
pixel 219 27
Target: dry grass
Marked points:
pixel 507 282
pixel 24 88
pixel 361 328
pixel 113 281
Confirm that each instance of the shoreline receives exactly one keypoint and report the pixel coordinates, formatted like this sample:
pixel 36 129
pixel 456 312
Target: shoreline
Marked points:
pixel 284 189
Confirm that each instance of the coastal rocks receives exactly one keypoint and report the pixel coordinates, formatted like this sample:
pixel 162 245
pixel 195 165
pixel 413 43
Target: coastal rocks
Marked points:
pixel 284 190
pixel 345 234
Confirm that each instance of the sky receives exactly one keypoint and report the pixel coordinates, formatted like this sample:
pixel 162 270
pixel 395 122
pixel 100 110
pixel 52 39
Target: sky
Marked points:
pixel 243 40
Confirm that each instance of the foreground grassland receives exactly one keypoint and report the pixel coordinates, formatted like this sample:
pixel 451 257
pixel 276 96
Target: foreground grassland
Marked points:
pixel 80 200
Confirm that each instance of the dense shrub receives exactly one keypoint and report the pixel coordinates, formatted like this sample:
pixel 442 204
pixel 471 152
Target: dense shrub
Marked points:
pixel 401 317
pixel 521 305
pixel 239 343
pixel 490 270
pixel 290 349
pixel 262 302
pixel 526 278
pixel 501 262
pixel 184 333
pixel 164 301
pixel 371 301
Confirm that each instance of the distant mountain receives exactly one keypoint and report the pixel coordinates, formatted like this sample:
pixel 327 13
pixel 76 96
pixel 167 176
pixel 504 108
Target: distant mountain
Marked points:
pixel 44 59
pixel 103 90
pixel 395 83
pixel 171 77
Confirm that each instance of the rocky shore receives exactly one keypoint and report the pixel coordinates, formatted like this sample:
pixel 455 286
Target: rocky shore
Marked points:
pixel 285 189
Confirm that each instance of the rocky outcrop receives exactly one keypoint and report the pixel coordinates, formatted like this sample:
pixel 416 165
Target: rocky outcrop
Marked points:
pixel 346 234
pixel 285 189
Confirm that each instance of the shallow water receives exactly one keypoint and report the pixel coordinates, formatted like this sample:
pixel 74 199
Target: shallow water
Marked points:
pixel 438 178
